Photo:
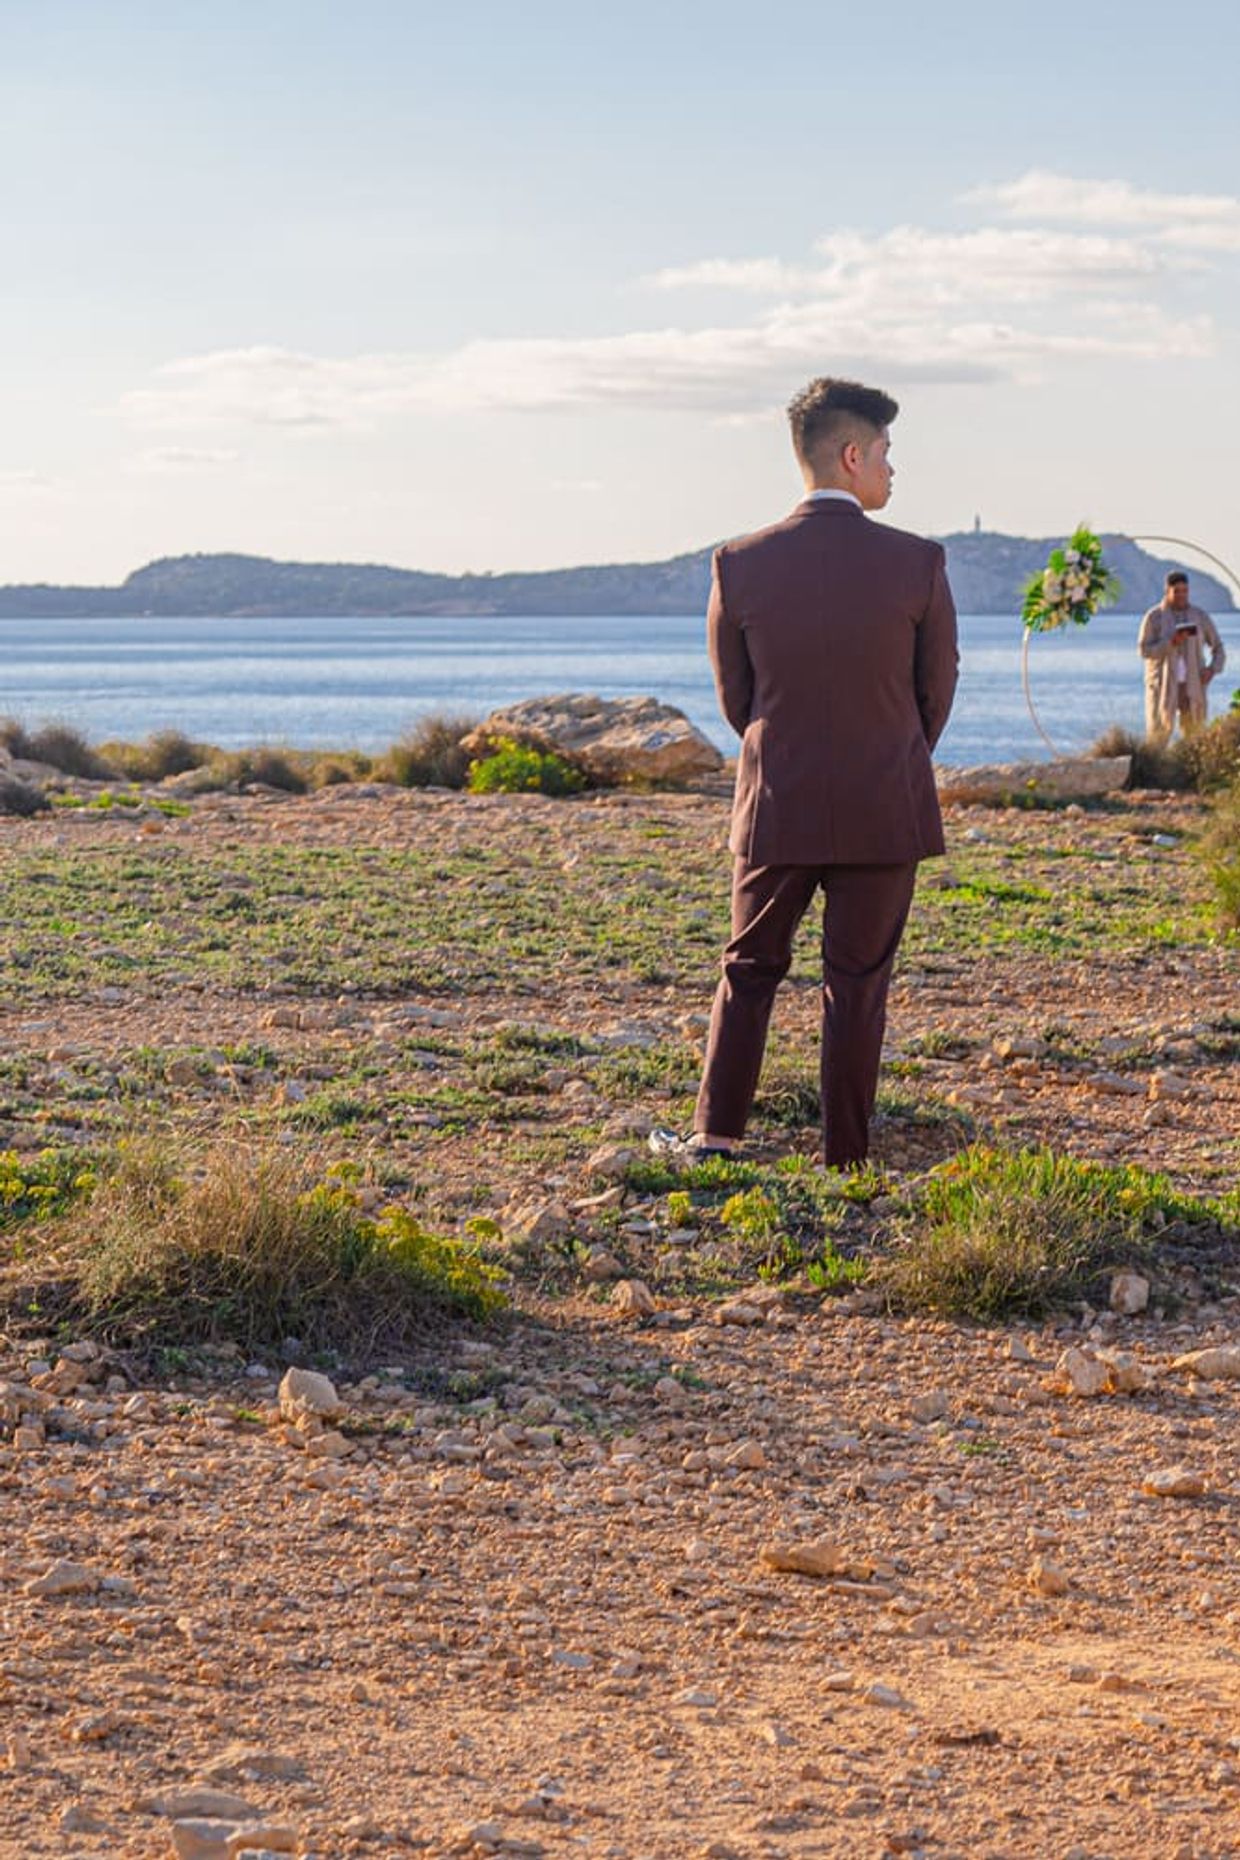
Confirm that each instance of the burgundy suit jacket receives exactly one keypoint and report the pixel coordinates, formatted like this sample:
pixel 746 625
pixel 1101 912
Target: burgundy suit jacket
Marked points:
pixel 833 642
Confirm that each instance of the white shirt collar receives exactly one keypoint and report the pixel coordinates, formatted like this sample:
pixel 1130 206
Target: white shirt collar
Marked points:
pixel 815 497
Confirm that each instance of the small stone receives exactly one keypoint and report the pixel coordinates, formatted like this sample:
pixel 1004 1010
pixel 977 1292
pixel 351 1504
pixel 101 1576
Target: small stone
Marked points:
pixel 633 1298
pixel 602 1266
pixel 888 1697
pixel 1174 1482
pixel 1130 1293
pixel 1126 1374
pixel 200 1802
pixel 28 1439
pixel 242 1762
pixel 307 1395
pixel 93 1728
pixel 612 1162
pixel 936 1405
pixel 573 1662
pixel 1079 1372
pixel 1047 1579
pixel 740 1312
pixel 777 1735
pixel 63 1579
pixel 19 1751
pixel 269 1836
pixel 748 1456
pixel 808 1559
pixel 198 1838
pixel 698 1697
pixel 78 1819
pixel 1219 1363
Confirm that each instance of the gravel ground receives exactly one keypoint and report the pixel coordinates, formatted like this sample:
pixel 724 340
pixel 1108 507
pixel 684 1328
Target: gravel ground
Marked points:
pixel 527 1591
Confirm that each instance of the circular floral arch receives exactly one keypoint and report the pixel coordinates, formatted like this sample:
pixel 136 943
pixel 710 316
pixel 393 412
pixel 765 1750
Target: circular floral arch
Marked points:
pixel 1050 604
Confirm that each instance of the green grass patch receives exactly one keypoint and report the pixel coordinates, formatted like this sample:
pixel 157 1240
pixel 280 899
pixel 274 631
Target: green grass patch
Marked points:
pixel 35 1187
pixel 996 1234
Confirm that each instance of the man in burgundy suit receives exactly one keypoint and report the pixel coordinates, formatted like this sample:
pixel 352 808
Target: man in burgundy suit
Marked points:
pixel 833 641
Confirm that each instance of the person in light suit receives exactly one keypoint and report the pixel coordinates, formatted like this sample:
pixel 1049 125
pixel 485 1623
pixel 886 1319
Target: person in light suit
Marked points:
pixel 833 643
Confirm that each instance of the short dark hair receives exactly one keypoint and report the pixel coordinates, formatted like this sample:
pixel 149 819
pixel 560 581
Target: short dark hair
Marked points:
pixel 1176 578
pixel 826 408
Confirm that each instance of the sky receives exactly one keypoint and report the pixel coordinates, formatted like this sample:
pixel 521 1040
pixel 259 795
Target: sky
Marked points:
pixel 491 286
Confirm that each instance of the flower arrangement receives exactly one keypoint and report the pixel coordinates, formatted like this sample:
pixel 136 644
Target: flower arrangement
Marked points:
pixel 1075 583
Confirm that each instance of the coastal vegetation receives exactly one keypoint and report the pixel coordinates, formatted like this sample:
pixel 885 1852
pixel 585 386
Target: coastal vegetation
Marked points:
pixel 332 1037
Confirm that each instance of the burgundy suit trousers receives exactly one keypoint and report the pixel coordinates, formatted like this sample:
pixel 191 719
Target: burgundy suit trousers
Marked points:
pixel 863 918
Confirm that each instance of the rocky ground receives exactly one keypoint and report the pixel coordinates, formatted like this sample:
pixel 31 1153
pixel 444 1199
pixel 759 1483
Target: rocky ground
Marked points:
pixel 542 1589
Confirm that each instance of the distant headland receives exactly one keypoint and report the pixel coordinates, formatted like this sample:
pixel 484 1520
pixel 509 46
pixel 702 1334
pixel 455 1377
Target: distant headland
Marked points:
pixel 987 571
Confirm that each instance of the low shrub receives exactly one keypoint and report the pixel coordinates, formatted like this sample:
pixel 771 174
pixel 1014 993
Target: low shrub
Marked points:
pixel 431 755
pixel 19 798
pixel 1207 759
pixel 261 766
pixel 163 754
pixel 1215 752
pixel 337 766
pixel 58 746
pixel 1219 850
pixel 15 738
pixel 995 1233
pixel 252 1246
pixel 1154 765
pixel 512 767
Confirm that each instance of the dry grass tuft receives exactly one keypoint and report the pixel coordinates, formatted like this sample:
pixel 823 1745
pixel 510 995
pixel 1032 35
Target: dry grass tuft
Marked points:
pixel 249 1246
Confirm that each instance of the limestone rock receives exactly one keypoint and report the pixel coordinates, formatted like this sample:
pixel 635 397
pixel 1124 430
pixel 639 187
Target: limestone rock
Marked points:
pixel 1079 1372
pixel 1130 1293
pixel 64 1579
pixel 602 1266
pixel 1216 1364
pixel 200 1802
pixel 1071 778
pixel 1126 1373
pixel 540 1222
pixel 611 1162
pixel 613 738
pixel 807 1559
pixel 305 1395
pixel 633 1298
pixel 1174 1482
pixel 740 1311
pixel 1047 1578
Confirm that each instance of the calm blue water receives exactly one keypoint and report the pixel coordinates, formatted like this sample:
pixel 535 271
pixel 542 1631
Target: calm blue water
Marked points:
pixel 339 683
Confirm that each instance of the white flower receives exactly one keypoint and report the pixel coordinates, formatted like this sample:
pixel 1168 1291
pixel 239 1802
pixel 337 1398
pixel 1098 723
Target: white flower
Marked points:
pixel 1072 556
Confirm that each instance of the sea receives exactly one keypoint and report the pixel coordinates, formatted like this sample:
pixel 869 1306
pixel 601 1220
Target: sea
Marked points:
pixel 362 683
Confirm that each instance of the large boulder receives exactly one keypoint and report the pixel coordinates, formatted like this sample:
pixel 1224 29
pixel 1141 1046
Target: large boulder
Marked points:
pixel 614 739
pixel 1007 784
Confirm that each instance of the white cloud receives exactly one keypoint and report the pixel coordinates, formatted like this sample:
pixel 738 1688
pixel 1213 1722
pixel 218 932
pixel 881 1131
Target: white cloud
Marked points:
pixel 911 304
pixel 26 482
pixel 1209 220
pixel 1004 264
pixel 766 277
pixel 162 459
